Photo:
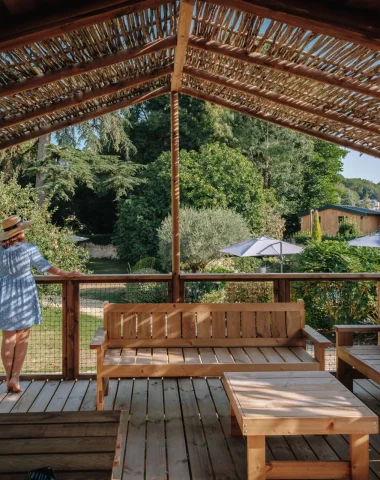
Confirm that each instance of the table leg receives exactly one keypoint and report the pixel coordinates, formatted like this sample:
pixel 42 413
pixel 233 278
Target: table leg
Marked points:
pixel 359 456
pixel 256 457
pixel 235 427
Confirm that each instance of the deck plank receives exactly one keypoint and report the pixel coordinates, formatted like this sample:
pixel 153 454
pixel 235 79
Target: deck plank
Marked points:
pixel 155 439
pixel 124 395
pixel 196 442
pixel 45 396
pixel 27 399
pixel 76 396
pixel 10 400
pixel 220 456
pixel 178 465
pixel 60 396
pixel 134 464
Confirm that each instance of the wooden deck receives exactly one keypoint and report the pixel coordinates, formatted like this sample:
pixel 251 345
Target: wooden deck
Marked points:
pixel 179 429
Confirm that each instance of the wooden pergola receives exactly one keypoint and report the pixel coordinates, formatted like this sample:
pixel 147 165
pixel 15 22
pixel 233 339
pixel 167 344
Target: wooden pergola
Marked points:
pixel 310 66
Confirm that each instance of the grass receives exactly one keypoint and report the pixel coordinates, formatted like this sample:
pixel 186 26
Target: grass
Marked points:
pixel 45 345
pixel 105 265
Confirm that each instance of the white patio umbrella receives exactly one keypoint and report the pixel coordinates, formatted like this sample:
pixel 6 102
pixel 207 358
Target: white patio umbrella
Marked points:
pixel 367 241
pixel 76 239
pixel 263 246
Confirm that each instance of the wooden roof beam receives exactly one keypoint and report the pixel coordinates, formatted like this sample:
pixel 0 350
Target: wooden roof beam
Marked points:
pixel 352 25
pixel 88 116
pixel 92 95
pixel 285 66
pixel 277 121
pixel 183 33
pixel 284 100
pixel 85 67
pixel 52 22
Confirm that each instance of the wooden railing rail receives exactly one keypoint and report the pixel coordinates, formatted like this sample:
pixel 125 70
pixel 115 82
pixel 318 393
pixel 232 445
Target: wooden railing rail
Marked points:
pixel 71 298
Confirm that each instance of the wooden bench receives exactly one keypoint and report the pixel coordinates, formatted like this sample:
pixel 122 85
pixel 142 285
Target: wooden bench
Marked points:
pixel 175 340
pixel 353 361
pixel 77 445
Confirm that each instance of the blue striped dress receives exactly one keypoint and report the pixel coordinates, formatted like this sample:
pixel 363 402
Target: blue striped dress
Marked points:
pixel 19 305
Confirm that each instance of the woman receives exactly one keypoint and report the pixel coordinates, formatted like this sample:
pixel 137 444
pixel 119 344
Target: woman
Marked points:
pixel 19 305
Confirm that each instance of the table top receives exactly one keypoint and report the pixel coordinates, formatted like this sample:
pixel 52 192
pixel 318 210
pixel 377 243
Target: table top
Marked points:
pixel 296 403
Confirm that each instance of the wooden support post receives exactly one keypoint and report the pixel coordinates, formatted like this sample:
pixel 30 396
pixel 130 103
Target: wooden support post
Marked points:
pixel 256 457
pixel 69 340
pixel 175 195
pixel 76 331
pixel 344 372
pixel 359 456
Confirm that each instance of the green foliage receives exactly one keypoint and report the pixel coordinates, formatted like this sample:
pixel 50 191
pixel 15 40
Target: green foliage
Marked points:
pixel 146 292
pixel 215 177
pixel 348 230
pixel 347 195
pixel 63 168
pixel 329 303
pixel 302 238
pixel 105 239
pixel 317 231
pixel 362 188
pixel 54 242
pixel 203 233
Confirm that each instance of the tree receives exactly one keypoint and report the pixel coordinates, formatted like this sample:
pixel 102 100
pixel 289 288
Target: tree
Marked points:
pixel 317 232
pixel 203 234
pixel 347 195
pixel 215 177
pixel 200 123
pixel 54 242
pixel 329 303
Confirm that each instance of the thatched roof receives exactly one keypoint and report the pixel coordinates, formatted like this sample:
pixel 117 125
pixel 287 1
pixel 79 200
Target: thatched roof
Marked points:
pixel 310 66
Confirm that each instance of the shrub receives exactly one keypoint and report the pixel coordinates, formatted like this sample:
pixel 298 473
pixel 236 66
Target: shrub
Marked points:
pixel 53 242
pixel 317 232
pixel 348 230
pixel 146 292
pixel 203 234
pixel 329 303
pixel 302 237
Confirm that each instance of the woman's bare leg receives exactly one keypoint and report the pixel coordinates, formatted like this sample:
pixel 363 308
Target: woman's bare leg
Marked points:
pixel 22 340
pixel 8 350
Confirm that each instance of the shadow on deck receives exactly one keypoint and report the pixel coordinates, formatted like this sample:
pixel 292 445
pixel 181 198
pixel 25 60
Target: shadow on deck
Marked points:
pixel 179 429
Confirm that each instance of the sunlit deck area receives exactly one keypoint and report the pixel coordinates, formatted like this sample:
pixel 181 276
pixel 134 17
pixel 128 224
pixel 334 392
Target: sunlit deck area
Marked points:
pixel 180 428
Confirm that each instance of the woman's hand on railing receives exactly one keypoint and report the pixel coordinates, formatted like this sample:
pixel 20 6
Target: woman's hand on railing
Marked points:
pixel 63 273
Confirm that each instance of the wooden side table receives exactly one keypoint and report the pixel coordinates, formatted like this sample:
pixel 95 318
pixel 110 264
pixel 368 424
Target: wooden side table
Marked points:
pixel 298 403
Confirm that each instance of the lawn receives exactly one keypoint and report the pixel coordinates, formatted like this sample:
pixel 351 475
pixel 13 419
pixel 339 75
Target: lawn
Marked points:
pixel 107 265
pixel 45 346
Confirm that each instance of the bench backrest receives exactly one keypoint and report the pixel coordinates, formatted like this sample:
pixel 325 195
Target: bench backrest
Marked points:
pixel 166 324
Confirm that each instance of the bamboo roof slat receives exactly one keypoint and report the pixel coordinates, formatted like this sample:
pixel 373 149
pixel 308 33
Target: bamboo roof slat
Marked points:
pixel 314 71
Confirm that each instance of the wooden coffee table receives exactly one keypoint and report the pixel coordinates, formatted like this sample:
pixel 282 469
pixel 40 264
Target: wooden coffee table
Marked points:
pixel 298 403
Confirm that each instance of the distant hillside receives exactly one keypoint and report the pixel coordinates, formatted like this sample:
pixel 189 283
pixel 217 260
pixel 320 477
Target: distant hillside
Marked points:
pixel 352 190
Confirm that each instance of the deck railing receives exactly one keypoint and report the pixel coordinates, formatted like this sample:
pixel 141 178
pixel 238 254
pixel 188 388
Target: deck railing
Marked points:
pixel 72 310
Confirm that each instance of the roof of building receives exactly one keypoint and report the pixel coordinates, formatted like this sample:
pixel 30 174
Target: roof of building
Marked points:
pixel 346 208
pixel 308 66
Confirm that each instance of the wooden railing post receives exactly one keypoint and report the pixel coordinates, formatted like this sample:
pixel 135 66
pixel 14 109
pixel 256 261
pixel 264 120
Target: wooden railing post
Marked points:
pixel 72 329
pixel 65 366
pixel 281 290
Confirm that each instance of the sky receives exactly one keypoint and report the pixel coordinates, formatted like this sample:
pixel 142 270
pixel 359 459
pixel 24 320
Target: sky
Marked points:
pixel 363 166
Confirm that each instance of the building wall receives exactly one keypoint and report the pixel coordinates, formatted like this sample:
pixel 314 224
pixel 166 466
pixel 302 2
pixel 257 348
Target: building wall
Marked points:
pixel 330 221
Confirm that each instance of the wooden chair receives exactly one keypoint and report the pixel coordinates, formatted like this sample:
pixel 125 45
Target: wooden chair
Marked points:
pixel 77 445
pixel 356 360
pixel 175 340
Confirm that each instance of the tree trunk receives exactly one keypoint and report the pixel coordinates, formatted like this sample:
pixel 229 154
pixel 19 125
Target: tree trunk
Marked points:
pixel 43 142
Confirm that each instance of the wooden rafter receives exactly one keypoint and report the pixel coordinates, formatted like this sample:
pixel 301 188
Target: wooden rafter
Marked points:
pixel 285 100
pixel 184 25
pixel 85 67
pixel 92 95
pixel 342 22
pixel 278 121
pixel 284 66
pixel 89 116
pixel 50 23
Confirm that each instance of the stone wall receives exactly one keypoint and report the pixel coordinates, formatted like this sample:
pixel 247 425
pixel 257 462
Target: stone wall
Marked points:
pixel 100 251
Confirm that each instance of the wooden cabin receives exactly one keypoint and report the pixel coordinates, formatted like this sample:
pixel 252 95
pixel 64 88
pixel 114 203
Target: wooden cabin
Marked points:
pixel 330 216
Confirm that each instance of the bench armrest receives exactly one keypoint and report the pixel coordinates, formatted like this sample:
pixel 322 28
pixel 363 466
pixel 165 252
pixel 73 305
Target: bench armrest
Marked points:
pixel 357 328
pixel 99 338
pixel 316 337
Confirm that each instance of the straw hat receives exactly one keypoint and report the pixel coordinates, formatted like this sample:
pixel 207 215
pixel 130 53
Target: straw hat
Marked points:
pixel 12 226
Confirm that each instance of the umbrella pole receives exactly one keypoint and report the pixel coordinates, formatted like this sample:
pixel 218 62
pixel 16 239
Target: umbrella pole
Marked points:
pixel 281 258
